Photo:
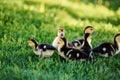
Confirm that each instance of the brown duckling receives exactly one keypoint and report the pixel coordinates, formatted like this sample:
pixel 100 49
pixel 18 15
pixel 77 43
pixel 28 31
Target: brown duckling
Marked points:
pixel 43 50
pixel 60 34
pixel 70 53
pixel 78 44
pixel 87 47
pixel 107 49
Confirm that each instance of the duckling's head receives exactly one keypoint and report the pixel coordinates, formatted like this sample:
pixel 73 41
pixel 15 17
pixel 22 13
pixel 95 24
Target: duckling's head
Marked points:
pixel 32 43
pixel 117 37
pixel 61 33
pixel 89 29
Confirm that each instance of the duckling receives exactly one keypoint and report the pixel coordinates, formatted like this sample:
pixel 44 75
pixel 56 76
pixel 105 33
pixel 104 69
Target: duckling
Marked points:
pixel 87 39
pixel 107 49
pixel 43 50
pixel 78 44
pixel 60 34
pixel 70 53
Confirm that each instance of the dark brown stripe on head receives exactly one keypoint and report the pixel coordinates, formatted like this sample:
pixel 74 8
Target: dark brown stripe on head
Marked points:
pixel 61 30
pixel 87 28
pixel 34 42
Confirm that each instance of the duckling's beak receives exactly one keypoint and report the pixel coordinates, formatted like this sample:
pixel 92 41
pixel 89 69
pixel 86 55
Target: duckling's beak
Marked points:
pixel 58 42
pixel 94 32
pixel 62 35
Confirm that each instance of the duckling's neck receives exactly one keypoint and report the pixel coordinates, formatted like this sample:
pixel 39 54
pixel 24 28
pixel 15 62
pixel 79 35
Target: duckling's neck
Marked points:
pixel 117 46
pixel 87 38
pixel 35 44
pixel 64 46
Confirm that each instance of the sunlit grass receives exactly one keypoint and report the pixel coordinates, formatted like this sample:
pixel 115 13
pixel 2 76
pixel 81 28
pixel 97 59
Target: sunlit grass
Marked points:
pixel 40 19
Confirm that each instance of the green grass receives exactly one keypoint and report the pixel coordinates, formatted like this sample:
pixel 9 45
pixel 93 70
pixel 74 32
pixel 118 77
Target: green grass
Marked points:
pixel 24 19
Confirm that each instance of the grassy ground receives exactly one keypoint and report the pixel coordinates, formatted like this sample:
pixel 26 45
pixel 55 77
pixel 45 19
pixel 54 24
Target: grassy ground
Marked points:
pixel 21 20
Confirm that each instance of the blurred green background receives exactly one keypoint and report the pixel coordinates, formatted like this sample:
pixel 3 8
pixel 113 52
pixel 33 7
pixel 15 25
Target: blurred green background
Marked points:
pixel 114 5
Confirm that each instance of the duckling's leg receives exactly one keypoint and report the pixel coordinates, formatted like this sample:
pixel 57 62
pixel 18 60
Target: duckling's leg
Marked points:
pixel 92 57
pixel 41 53
pixel 62 59
pixel 110 53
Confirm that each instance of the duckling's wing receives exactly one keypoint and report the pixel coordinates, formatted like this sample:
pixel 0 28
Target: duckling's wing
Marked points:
pixel 76 43
pixel 81 41
pixel 75 54
pixel 70 45
pixel 47 47
pixel 50 47
pixel 104 47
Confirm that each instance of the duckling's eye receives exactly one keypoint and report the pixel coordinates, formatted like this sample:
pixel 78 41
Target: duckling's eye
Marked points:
pixel 91 29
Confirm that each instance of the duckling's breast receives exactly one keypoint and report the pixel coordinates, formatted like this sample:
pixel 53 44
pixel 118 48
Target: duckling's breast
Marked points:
pixel 37 52
pixel 47 53
pixel 55 42
pixel 118 49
